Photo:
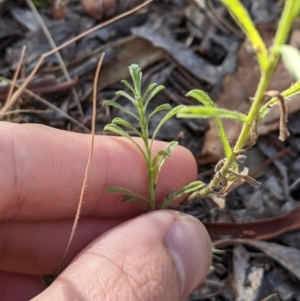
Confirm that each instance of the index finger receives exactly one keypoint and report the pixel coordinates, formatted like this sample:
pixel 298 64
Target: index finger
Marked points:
pixel 42 171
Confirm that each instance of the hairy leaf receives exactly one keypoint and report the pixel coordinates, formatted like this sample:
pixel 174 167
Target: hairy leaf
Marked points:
pixel 149 89
pixel 118 189
pixel 203 98
pixel 129 196
pixel 116 129
pixel 207 112
pixel 192 187
pixel 118 106
pixel 160 158
pixel 163 107
pixel 169 115
pixel 132 199
pixel 136 75
pixel 153 94
pixel 120 121
pixel 127 84
pixel 126 95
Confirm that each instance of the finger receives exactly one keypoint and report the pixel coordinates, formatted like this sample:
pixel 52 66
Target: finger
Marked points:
pixel 42 171
pixel 161 255
pixel 37 248
pixel 19 287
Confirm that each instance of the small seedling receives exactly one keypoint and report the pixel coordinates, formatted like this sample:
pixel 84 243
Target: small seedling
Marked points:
pixel 140 102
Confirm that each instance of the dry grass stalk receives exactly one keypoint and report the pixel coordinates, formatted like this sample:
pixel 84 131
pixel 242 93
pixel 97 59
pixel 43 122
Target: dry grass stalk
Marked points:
pixel 49 104
pixel 57 54
pixel 18 93
pixel 9 101
pixel 75 223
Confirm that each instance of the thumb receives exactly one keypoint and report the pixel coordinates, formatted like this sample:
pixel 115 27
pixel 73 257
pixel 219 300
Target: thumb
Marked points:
pixel 162 255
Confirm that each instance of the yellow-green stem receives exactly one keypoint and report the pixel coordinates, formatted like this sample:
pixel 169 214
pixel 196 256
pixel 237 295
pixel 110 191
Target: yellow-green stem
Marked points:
pixel 247 126
pixel 290 12
pixel 150 171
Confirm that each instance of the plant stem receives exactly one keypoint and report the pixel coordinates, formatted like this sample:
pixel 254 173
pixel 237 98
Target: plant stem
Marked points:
pixel 150 168
pixel 151 187
pixel 247 126
pixel 145 134
pixel 149 164
pixel 290 11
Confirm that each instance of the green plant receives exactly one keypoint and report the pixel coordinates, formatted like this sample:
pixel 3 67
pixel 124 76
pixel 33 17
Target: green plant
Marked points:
pixel 229 172
pixel 140 102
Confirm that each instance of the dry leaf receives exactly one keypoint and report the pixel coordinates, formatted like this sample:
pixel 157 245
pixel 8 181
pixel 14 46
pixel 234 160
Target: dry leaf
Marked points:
pixel 247 279
pixel 260 229
pixel 287 257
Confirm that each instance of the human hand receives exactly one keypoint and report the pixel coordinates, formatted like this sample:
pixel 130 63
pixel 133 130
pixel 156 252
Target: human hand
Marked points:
pixel 117 253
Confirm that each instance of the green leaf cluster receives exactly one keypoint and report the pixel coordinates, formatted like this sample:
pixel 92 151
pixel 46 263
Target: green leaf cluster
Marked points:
pixel 140 101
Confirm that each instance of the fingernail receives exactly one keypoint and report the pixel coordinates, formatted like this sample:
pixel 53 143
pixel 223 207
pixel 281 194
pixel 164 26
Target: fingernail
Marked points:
pixel 190 247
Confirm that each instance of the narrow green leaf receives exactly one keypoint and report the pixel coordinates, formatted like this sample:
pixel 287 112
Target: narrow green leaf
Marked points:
pixel 116 129
pixel 207 112
pixel 202 97
pixel 122 122
pixel 129 196
pixel 126 95
pixel 127 84
pixel 118 189
pixel 131 199
pixel 160 157
pixel 153 93
pixel 287 94
pixel 194 186
pixel 166 107
pixel 290 12
pixel 149 89
pixel 242 17
pixel 120 107
pixel 169 115
pixel 136 75
pixel 291 59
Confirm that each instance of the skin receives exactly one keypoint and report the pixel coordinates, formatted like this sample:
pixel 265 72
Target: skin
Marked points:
pixel 119 252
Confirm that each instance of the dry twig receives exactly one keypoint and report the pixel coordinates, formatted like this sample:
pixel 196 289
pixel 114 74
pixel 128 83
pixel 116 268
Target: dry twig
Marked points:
pixel 57 54
pixel 17 94
pixel 9 102
pixel 47 103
